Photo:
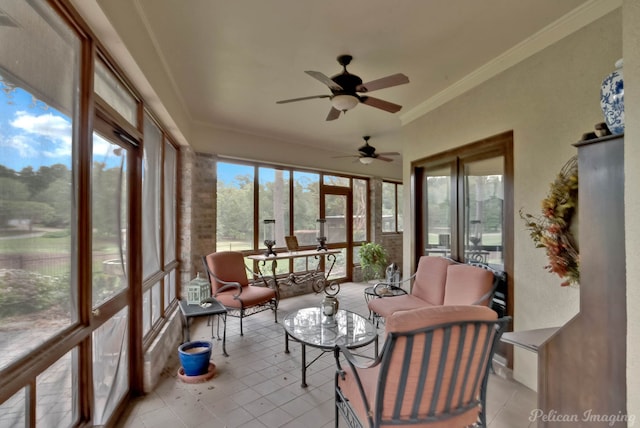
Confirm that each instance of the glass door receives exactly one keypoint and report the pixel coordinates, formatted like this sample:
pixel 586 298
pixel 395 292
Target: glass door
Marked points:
pixel 483 223
pixel 336 208
pixel 110 207
pixel 439 199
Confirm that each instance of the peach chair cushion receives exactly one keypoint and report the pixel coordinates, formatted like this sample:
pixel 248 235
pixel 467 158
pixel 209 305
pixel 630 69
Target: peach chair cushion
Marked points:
pixel 386 306
pixel 229 266
pixel 407 321
pixel 251 295
pixel 429 282
pixel 466 284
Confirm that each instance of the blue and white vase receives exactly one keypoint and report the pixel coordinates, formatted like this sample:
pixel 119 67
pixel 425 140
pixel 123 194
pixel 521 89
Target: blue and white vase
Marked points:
pixel 612 100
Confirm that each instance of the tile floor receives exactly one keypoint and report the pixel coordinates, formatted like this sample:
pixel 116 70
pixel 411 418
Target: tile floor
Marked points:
pixel 258 385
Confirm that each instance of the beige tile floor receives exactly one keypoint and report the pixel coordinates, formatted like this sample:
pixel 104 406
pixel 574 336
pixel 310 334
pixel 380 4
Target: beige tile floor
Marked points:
pixel 258 385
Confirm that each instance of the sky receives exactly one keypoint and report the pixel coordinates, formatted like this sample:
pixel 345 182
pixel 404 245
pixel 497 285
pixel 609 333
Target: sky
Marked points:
pixel 34 134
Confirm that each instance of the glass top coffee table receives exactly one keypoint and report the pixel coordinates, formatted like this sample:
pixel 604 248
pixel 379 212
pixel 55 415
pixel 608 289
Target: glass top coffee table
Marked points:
pixel 311 327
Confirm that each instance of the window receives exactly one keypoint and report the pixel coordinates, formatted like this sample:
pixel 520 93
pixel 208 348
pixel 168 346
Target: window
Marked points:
pixel 391 207
pixel 306 206
pixel 70 215
pixel 235 207
pixel 360 201
pixel 273 201
pixel 461 206
pixel 295 200
pixel 40 62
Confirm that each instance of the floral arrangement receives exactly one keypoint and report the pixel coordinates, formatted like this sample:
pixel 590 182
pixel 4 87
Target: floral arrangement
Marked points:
pixel 552 230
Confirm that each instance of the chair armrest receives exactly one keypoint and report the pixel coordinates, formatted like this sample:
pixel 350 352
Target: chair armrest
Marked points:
pixel 354 370
pixel 488 296
pixel 355 364
pixel 379 285
pixel 229 286
pixel 226 285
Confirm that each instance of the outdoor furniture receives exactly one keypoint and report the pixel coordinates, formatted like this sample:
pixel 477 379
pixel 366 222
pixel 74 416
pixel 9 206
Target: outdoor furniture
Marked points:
pixel 439 281
pixel 310 326
pixel 318 274
pixel 432 371
pixel 231 286
pixel 210 308
pixel 389 291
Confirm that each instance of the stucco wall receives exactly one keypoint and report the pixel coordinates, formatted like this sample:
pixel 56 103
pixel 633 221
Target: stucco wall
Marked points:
pixel 549 100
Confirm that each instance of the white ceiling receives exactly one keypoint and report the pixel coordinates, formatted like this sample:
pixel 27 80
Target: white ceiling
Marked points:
pixel 230 61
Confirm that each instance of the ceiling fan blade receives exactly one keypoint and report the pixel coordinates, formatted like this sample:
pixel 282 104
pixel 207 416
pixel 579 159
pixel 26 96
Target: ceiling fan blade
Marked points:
pixel 346 156
pixel 384 82
pixel 302 99
pixel 334 113
pixel 389 154
pixel 381 104
pixel 382 158
pixel 324 79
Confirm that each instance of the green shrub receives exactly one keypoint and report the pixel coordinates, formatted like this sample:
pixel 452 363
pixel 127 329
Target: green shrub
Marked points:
pixel 23 292
pixel 373 259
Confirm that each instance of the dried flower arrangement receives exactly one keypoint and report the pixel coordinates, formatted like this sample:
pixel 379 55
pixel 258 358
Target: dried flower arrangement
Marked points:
pixel 552 230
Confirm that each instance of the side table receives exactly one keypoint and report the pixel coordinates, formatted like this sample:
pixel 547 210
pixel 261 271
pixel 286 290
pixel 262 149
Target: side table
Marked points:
pixel 390 291
pixel 210 307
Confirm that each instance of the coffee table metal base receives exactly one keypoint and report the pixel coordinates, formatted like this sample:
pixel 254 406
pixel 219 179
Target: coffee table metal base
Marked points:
pixel 308 326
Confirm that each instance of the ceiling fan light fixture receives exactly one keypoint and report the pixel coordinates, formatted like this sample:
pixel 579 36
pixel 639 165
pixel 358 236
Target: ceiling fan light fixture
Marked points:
pixel 344 102
pixel 366 160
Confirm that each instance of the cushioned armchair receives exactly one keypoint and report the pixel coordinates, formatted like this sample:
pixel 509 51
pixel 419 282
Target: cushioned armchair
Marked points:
pixel 230 286
pixel 432 371
pixel 439 281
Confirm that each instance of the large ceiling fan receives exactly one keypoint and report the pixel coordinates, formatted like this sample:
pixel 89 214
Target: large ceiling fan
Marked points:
pixel 345 87
pixel 367 154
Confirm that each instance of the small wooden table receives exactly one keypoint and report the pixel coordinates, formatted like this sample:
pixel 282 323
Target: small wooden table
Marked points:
pixel 529 339
pixel 210 308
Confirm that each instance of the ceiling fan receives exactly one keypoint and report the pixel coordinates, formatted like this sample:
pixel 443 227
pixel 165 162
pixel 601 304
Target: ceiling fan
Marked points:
pixel 367 154
pixel 345 87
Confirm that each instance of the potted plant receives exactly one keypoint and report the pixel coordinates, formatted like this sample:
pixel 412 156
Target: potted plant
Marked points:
pixel 373 260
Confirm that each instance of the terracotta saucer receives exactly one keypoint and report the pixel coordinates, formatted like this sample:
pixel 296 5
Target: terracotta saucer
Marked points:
pixel 199 378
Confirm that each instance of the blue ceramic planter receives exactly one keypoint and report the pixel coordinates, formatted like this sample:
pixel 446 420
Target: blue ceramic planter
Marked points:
pixel 194 357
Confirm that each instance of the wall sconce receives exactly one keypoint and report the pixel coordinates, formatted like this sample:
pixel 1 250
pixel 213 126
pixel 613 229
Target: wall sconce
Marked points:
pixel 269 236
pixel 321 238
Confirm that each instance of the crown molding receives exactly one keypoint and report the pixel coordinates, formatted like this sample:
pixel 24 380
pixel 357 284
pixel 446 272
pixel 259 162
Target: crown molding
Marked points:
pixel 552 33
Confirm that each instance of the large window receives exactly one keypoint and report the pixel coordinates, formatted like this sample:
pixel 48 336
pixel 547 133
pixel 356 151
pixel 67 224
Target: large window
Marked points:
pixel 392 207
pixel 295 200
pixel 235 207
pixel 39 104
pixel 74 214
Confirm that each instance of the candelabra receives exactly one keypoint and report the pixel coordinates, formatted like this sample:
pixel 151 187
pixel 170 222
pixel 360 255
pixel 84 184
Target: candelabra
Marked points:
pixel 321 238
pixel 269 236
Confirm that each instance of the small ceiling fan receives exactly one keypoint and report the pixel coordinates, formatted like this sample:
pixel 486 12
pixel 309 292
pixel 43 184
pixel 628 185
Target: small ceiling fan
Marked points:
pixel 367 154
pixel 345 87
